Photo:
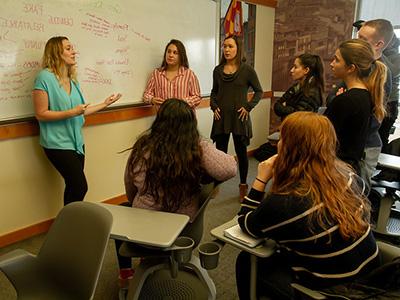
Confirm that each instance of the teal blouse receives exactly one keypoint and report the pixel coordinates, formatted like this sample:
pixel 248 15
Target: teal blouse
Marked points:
pixel 63 134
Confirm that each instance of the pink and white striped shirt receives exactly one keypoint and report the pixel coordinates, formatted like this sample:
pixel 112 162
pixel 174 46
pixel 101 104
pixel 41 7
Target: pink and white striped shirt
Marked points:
pixel 184 86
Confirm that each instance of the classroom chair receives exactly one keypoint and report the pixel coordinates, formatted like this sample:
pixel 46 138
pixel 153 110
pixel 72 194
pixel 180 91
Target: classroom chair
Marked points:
pixel 386 217
pixel 68 263
pixel 389 253
pixel 384 194
pixel 159 275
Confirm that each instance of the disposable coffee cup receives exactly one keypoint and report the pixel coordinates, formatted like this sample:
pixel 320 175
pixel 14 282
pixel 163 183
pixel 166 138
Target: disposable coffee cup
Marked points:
pixel 182 249
pixel 209 255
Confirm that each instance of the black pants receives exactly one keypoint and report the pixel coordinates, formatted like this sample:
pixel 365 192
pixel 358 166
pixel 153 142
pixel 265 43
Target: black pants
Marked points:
pixel 123 262
pixel 274 277
pixel 222 141
pixel 70 165
pixel 387 123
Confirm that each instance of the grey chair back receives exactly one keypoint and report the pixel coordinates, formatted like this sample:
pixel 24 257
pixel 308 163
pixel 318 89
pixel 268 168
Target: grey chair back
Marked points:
pixel 73 251
pixel 388 254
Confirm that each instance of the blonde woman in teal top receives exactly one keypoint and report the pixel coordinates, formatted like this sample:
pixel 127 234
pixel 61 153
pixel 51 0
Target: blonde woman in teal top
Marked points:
pixel 60 109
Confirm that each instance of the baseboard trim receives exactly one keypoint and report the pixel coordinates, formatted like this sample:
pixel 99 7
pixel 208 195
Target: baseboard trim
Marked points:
pixel 24 233
pixel 42 227
pixel 117 200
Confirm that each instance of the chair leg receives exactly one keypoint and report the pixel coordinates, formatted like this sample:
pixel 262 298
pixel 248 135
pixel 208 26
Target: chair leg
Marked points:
pixel 145 268
pixel 148 267
pixel 202 274
pixel 253 277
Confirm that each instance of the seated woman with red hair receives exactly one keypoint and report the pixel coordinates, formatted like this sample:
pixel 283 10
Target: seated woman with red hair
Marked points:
pixel 315 211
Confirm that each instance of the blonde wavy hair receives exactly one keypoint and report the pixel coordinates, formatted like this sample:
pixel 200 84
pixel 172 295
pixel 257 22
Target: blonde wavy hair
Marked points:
pixel 52 59
pixel 372 72
pixel 307 166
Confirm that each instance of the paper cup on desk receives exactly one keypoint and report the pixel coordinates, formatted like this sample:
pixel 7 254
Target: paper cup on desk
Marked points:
pixel 182 249
pixel 209 255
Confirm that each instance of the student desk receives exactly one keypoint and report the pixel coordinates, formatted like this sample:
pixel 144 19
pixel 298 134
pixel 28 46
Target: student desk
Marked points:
pixel 263 250
pixel 158 229
pixel 385 222
pixel 146 227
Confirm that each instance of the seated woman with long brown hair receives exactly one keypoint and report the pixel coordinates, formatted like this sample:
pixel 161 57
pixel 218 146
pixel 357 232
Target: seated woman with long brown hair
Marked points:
pixel 168 163
pixel 315 211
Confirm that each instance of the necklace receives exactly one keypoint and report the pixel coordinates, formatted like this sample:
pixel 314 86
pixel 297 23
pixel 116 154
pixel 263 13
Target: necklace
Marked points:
pixel 230 69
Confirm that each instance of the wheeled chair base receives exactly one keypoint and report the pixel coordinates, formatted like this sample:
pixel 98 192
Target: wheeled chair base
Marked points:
pixel 153 280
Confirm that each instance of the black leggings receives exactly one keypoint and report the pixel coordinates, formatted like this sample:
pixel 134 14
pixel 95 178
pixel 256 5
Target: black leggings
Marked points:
pixel 274 277
pixel 123 262
pixel 222 141
pixel 70 165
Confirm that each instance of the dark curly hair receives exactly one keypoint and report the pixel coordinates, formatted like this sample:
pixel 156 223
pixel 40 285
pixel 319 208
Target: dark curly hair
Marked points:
pixel 171 155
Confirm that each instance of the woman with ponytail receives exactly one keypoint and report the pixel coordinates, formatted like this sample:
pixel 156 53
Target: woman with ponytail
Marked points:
pixel 306 93
pixel 357 113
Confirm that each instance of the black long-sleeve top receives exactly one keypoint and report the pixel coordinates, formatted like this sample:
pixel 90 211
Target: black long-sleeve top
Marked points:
pixel 229 93
pixel 319 256
pixel 350 114
pixel 294 99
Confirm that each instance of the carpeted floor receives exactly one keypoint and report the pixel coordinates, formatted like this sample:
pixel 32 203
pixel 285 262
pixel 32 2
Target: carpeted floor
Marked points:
pixel 221 209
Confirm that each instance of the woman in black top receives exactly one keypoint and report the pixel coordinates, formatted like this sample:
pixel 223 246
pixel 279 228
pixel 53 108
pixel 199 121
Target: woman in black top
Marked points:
pixel 315 211
pixel 306 93
pixel 232 79
pixel 351 111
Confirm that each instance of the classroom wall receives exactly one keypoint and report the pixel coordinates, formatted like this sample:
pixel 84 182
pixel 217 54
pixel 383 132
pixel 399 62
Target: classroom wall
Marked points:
pixel 31 190
pixel 311 26
pixel 119 31
pixel 376 9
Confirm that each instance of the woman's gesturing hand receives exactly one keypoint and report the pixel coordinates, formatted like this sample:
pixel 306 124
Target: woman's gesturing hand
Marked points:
pixel 113 98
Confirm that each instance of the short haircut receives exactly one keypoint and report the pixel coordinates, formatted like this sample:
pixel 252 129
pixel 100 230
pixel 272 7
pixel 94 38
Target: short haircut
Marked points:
pixel 383 29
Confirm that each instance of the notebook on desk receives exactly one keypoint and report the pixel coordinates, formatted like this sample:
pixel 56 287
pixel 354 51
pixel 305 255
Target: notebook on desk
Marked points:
pixel 236 233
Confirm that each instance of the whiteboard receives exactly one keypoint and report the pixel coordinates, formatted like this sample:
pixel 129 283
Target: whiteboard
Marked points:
pixel 119 43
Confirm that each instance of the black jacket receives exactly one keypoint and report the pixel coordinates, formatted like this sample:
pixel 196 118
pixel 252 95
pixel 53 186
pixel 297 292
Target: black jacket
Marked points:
pixel 294 99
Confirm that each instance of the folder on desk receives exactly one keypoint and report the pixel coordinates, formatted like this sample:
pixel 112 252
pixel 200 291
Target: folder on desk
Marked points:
pixel 236 233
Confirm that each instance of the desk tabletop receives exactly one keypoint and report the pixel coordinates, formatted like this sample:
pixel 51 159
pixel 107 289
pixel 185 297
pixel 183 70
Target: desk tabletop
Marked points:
pixel 264 250
pixel 274 137
pixel 147 227
pixel 389 161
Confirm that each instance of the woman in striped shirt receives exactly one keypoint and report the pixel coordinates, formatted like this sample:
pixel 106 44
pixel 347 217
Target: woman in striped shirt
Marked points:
pixel 315 211
pixel 173 79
